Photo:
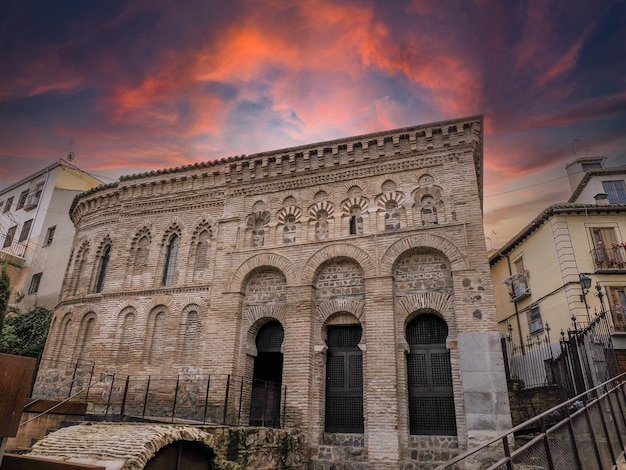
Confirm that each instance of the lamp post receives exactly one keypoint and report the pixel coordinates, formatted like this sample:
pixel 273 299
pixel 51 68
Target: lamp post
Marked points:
pixel 585 285
pixel 600 295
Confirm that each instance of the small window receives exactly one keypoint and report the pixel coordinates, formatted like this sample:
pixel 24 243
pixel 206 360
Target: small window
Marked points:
pixel 616 191
pixel 356 221
pixel 591 166
pixel 50 235
pixel 22 199
pixel 170 261
pixel 8 241
pixel 535 324
pixel 104 263
pixel 519 265
pixel 25 230
pixel 34 283
pixel 7 207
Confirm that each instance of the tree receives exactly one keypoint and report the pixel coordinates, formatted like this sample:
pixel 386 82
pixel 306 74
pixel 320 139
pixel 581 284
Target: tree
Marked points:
pixel 5 293
pixel 25 333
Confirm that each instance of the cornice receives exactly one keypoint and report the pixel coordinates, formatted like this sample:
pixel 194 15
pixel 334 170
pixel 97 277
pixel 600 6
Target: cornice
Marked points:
pixel 353 157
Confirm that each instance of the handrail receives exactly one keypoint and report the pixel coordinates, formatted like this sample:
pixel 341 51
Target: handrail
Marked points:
pixel 101 380
pixel 616 381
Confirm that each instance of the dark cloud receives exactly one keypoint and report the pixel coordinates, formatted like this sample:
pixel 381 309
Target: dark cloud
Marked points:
pixel 155 83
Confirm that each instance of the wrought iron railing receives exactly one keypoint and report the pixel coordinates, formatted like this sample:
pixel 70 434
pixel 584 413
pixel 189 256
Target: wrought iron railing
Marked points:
pixel 580 358
pixel 618 317
pixel 609 258
pixel 587 431
pixel 518 286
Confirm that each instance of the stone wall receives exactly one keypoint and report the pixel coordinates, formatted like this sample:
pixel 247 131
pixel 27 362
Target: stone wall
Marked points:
pixel 372 230
pixel 130 446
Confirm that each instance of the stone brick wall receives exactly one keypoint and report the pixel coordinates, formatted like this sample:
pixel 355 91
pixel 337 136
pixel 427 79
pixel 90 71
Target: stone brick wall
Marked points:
pixel 131 446
pixel 396 266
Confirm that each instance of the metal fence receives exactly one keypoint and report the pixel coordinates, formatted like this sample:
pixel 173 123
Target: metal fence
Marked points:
pixel 585 432
pixel 578 360
pixel 199 398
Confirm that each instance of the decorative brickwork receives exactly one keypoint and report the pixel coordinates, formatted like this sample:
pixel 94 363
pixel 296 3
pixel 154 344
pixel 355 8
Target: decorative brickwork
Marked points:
pixel 366 233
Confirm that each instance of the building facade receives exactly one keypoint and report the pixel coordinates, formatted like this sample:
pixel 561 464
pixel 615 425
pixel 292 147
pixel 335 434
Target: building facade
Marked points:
pixel 36 232
pixel 352 272
pixel 539 276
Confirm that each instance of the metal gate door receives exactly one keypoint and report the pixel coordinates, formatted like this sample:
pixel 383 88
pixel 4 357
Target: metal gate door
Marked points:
pixel 344 380
pixel 431 397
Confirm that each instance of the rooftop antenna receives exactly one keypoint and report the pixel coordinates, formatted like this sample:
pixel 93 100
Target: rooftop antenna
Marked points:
pixel 70 153
pixel 574 142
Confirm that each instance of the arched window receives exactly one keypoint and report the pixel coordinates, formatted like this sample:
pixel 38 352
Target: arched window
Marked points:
pixel 126 338
pixel 289 231
pixel 429 211
pixel 102 271
pixel 429 373
pixel 356 221
pixel 169 271
pixel 202 250
pixel 321 226
pixel 155 335
pixel 392 215
pixel 258 233
pixel 79 268
pixel 63 336
pixel 141 256
pixel 191 338
pixel 86 336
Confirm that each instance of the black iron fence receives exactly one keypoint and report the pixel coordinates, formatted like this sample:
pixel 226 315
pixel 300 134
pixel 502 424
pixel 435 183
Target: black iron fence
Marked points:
pixel 587 431
pixel 199 398
pixel 578 360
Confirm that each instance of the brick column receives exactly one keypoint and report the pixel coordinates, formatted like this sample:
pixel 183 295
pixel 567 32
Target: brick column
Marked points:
pixel 380 376
pixel 298 355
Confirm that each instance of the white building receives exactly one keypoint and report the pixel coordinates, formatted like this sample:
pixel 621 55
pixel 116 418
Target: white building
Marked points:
pixel 36 232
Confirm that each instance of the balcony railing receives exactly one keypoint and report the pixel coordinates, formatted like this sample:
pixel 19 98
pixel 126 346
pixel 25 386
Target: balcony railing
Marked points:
pixel 618 316
pixel 17 249
pixel 611 258
pixel 518 286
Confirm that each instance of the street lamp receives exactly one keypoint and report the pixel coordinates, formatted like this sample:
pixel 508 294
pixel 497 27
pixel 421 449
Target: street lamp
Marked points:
pixel 585 285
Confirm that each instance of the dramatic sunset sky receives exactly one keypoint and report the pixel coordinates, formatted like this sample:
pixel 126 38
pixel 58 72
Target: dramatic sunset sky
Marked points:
pixel 147 84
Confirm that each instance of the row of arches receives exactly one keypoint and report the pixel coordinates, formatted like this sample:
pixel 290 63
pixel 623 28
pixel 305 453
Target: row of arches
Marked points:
pixel 429 388
pixel 95 267
pixel 137 337
pixel 428 205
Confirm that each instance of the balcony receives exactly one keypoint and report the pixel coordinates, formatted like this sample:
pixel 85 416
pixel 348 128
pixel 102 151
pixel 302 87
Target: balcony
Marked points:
pixel 518 286
pixel 609 259
pixel 618 317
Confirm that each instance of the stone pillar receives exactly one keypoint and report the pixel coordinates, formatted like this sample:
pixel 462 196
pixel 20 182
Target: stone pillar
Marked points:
pixel 484 386
pixel 380 375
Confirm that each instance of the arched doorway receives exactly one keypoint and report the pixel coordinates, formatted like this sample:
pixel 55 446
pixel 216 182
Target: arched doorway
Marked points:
pixel 344 380
pixel 267 376
pixel 183 454
pixel 429 373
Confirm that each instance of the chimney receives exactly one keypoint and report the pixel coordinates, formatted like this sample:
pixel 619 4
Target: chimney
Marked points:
pixel 602 199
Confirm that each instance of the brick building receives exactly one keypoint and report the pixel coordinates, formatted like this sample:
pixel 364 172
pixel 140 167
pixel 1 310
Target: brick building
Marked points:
pixel 353 272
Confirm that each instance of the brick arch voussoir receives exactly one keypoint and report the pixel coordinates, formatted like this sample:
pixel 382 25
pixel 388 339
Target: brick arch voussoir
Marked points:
pixel 439 301
pixel 161 437
pixel 329 307
pixel 159 300
pixel 269 260
pixel 252 315
pixel 342 250
pixel 458 262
